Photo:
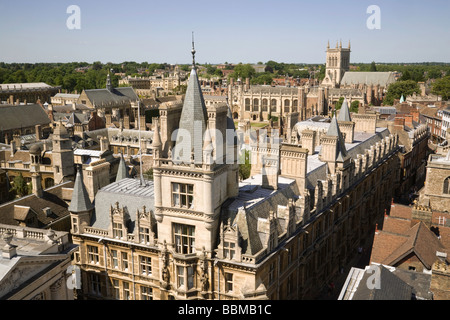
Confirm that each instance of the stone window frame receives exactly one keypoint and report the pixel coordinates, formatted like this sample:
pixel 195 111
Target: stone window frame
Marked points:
pixel 145 266
pixel 183 239
pixel 446 186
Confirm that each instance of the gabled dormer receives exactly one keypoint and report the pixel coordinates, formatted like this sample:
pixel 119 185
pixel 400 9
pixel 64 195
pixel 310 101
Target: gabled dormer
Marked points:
pixel 119 219
pixel 145 232
pixel 228 247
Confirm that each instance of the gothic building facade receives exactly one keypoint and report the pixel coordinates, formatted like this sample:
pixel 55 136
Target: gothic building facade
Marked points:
pixel 197 232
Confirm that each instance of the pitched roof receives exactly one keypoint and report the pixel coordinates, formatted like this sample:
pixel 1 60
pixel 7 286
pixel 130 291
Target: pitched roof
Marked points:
pixel 422 242
pixel 368 78
pixel 105 97
pixel 52 198
pixel 30 115
pixel 80 198
pixel 391 287
pixel 401 236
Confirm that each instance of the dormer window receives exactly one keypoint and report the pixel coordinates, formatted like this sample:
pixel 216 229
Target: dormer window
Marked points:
pixel 229 250
pixel 117 230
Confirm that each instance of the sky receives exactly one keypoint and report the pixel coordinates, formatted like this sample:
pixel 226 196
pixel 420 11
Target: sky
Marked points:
pixel 247 31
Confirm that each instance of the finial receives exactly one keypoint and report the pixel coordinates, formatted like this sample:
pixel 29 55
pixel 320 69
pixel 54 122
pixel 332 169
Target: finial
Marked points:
pixel 193 51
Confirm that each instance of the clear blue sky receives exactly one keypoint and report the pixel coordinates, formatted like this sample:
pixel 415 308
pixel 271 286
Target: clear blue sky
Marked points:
pixel 232 31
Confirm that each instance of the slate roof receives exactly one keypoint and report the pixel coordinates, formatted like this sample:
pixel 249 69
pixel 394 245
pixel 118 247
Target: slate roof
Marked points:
pixel 391 287
pixel 344 113
pixel 334 131
pixel 368 78
pixel 129 193
pixel 104 97
pixel 252 206
pixel 52 198
pixel 80 198
pixel 122 171
pixel 22 116
pixel 193 120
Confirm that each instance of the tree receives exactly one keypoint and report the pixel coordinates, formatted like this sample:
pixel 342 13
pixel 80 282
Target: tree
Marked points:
pixel 20 187
pixel 373 67
pixel 243 71
pixel 244 165
pixel 354 106
pixel 339 103
pixel 399 88
pixel 441 87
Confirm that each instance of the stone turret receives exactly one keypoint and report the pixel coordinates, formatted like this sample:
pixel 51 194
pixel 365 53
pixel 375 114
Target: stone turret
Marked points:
pixel 80 207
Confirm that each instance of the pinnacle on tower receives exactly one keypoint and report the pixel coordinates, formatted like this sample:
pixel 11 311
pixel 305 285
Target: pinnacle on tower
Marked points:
pixel 80 198
pixel 122 171
pixel 344 113
pixel 108 82
pixel 193 120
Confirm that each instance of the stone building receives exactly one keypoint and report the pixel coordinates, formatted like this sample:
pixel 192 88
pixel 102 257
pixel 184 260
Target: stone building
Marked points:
pixel 414 151
pixel 33 119
pixel 436 192
pixel 196 232
pixel 262 102
pixel 34 264
pixel 337 64
pixel 15 93
pixel 114 105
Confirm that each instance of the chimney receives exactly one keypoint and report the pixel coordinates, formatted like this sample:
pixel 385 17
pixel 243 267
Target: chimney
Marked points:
pixel 13 148
pixel 38 130
pixel 36 183
pixel 270 170
pixel 408 121
pixel 399 123
pixel 308 140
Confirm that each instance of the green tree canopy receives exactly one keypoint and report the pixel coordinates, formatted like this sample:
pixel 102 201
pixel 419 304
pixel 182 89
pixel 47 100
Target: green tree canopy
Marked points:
pixel 441 87
pixel 20 187
pixel 399 88
pixel 373 67
pixel 243 71
pixel 244 165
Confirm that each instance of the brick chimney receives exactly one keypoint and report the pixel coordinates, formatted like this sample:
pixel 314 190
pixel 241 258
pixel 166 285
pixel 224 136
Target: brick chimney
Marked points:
pixel 408 121
pixel 399 123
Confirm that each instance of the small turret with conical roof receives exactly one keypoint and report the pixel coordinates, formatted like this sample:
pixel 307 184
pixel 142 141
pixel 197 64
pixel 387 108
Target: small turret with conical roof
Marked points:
pixel 122 171
pixel 80 207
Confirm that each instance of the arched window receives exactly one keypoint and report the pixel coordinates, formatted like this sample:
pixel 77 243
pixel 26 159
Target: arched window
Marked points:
pixel 446 186
pixel 264 105
pixel 255 105
pixel 247 104
pixel 273 105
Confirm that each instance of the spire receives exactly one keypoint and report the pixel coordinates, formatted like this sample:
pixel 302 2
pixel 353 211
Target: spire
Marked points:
pixel 193 120
pixel 193 51
pixel 80 198
pixel 344 113
pixel 334 131
pixel 328 46
pixel 349 44
pixel 122 171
